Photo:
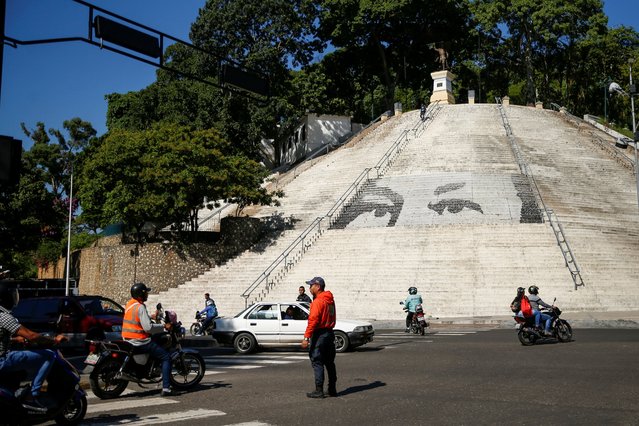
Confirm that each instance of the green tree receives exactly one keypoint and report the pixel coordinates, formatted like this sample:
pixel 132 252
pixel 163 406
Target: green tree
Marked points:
pixel 162 175
pixel 33 214
pixel 540 40
pixel 392 38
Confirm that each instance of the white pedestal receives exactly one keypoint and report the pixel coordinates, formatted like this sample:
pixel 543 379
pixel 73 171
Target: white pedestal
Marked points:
pixel 443 87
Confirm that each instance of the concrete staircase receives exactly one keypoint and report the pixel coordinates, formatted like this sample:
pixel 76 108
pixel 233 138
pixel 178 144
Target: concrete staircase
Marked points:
pixel 453 216
pixel 308 194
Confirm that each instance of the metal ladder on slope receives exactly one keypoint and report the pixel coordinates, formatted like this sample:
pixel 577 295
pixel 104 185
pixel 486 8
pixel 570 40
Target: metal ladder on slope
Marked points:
pixel 551 217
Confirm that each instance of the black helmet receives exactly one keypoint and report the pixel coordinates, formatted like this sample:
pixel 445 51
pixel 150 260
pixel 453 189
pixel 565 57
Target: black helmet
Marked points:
pixel 533 289
pixel 140 291
pixel 412 290
pixel 9 296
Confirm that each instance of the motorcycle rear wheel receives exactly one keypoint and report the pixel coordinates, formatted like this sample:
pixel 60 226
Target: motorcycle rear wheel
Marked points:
pixel 526 338
pixel 563 331
pixel 196 329
pixel 103 382
pixel 187 370
pixel 422 329
pixel 74 412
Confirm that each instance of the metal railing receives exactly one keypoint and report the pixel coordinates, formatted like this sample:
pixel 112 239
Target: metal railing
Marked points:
pixel 294 252
pixel 551 217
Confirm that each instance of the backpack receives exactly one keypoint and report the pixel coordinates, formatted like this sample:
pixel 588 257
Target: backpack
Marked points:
pixel 515 306
pixel 526 309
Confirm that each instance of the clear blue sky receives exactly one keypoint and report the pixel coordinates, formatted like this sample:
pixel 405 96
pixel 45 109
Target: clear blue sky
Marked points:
pixel 55 82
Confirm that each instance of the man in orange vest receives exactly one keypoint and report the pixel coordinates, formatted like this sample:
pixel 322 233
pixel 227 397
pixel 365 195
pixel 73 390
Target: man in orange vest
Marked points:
pixel 137 329
pixel 320 339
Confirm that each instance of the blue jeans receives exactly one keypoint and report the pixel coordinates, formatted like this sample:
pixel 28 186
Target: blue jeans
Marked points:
pixel 546 318
pixel 158 352
pixel 322 354
pixel 536 314
pixel 36 363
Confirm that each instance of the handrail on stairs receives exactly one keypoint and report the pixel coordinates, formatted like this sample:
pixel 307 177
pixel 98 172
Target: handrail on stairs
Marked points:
pixel 294 250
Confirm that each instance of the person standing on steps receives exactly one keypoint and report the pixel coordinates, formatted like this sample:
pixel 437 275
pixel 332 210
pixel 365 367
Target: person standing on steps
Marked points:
pixel 320 339
pixel 303 297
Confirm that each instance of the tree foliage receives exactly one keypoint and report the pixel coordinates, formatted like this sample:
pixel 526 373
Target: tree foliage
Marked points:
pixel 162 175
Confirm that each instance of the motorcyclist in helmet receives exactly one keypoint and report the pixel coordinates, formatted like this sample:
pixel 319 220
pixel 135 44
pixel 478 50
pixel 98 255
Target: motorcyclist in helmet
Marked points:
pixel 535 301
pixel 410 304
pixel 38 362
pixel 521 294
pixel 137 329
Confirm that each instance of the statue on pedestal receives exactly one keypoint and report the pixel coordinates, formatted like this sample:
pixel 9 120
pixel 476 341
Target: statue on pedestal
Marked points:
pixel 443 55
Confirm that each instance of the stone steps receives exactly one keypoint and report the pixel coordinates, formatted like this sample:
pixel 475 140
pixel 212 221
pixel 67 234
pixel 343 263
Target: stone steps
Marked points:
pixel 465 263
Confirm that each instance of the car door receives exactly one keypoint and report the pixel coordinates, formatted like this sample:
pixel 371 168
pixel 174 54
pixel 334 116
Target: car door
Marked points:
pixel 264 322
pixel 294 322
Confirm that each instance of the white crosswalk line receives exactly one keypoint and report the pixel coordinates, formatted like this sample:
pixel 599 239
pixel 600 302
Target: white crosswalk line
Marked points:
pixel 154 419
pixel 128 404
pixel 243 367
pixel 253 423
pixel 91 395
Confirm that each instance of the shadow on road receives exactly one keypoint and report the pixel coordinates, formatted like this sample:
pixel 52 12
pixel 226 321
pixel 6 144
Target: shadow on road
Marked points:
pixel 361 388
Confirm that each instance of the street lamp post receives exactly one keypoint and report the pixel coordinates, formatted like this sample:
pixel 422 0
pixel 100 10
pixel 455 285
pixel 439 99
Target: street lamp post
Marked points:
pixel 634 126
pixel 66 291
pixel 614 87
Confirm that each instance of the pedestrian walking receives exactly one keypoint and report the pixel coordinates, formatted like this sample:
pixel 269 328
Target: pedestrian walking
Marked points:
pixel 319 338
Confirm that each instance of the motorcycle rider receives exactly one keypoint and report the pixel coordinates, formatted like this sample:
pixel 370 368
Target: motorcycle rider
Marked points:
pixel 208 301
pixel 535 301
pixel 211 313
pixel 410 304
pixel 38 361
pixel 521 293
pixel 137 329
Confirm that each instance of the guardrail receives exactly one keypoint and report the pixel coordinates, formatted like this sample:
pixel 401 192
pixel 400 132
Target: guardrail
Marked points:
pixel 293 253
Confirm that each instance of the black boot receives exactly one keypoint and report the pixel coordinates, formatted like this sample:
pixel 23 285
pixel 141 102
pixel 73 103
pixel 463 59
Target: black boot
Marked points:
pixel 332 391
pixel 318 393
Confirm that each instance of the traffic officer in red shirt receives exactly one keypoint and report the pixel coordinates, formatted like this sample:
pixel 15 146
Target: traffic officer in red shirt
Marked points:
pixel 319 338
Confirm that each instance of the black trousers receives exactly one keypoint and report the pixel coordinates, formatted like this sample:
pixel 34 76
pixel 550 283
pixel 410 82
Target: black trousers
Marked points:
pixel 322 355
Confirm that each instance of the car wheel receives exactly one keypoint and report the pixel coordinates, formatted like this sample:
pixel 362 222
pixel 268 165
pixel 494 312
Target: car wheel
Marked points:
pixel 341 342
pixel 244 343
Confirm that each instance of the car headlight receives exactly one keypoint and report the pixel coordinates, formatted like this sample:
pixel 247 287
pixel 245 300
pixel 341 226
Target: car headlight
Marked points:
pixel 359 329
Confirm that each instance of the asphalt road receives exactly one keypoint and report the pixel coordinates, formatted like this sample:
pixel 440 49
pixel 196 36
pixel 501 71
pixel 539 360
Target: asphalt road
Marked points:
pixel 453 376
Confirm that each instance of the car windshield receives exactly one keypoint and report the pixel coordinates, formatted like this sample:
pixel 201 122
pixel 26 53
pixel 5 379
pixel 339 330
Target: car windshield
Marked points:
pixel 101 306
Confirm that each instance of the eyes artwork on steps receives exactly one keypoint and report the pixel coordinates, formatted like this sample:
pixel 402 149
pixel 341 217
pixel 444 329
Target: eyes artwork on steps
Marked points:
pixel 442 198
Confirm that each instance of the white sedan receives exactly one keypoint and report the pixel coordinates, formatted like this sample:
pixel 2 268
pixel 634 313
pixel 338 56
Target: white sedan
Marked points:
pixel 275 324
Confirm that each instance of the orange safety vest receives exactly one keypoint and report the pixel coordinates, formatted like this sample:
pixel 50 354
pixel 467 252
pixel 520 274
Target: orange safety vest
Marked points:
pixel 131 327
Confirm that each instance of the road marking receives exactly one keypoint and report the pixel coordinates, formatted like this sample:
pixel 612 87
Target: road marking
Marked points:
pixel 253 423
pixel 449 334
pixel 125 405
pixel 91 395
pixel 243 367
pixel 162 418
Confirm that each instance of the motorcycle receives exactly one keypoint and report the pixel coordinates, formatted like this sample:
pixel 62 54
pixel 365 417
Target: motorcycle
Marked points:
pixel 418 324
pixel 117 363
pixel 65 402
pixel 528 334
pixel 197 328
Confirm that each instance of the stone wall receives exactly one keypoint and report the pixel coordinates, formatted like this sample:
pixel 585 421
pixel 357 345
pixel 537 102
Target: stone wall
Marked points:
pixel 109 268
